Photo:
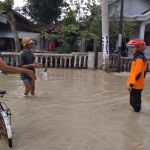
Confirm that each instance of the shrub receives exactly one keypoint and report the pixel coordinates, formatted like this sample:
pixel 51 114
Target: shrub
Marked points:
pixel 64 49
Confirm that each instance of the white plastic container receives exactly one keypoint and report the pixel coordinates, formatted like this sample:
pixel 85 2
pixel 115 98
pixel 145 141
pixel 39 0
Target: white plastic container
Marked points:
pixel 43 75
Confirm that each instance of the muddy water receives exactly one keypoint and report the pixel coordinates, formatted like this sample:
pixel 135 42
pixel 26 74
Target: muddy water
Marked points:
pixel 76 110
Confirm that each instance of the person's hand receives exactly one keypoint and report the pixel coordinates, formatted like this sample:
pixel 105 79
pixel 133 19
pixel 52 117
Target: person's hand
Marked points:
pixel 33 65
pixel 129 88
pixel 38 65
pixel 31 74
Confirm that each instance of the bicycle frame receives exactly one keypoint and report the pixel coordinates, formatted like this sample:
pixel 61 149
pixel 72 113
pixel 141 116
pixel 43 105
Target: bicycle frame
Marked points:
pixel 7 123
pixel 5 120
pixel 6 110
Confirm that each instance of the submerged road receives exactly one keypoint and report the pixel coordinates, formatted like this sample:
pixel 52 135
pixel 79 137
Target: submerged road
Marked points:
pixel 76 110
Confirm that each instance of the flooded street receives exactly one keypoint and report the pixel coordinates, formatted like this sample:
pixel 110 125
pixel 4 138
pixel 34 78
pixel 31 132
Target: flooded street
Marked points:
pixel 76 110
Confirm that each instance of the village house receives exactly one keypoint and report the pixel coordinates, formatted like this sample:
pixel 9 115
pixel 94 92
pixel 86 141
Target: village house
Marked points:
pixel 23 29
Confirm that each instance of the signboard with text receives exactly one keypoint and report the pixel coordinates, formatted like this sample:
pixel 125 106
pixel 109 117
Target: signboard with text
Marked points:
pixel 105 46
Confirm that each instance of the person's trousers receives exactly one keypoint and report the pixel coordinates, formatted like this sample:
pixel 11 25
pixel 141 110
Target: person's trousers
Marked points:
pixel 135 99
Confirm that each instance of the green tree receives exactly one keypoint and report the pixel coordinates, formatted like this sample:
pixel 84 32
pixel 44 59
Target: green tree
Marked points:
pixel 90 26
pixel 6 9
pixel 93 23
pixel 127 29
pixel 43 12
pixel 71 29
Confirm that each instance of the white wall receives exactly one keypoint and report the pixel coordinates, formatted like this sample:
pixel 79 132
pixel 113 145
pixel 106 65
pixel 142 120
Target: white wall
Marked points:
pixel 136 35
pixel 136 32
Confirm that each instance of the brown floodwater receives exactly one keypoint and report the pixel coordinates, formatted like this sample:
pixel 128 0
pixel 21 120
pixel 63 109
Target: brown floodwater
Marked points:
pixel 76 110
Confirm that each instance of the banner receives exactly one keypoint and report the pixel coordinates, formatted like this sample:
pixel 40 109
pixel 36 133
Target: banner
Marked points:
pixel 105 46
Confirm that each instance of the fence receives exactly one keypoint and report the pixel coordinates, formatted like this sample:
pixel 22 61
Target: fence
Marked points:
pixel 125 63
pixel 74 60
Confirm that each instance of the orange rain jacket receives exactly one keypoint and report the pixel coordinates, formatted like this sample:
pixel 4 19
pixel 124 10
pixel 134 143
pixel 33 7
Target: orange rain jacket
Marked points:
pixel 138 72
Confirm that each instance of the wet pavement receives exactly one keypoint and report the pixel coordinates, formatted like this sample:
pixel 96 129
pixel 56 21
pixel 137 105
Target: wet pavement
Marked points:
pixel 76 110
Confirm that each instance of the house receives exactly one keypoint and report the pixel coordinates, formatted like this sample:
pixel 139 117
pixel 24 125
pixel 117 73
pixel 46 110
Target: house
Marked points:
pixel 137 11
pixel 23 30
pixel 54 28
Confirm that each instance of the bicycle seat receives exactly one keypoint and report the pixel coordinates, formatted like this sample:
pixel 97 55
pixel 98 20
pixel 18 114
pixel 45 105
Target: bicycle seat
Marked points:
pixel 2 92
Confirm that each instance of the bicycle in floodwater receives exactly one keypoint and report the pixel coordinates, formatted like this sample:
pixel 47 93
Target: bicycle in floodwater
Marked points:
pixel 5 121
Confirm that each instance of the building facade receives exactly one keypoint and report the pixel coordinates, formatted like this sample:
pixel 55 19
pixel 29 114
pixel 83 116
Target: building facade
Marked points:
pixel 23 29
pixel 137 11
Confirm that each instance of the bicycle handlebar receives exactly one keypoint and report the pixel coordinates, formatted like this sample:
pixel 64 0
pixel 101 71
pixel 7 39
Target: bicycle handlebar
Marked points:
pixel 2 93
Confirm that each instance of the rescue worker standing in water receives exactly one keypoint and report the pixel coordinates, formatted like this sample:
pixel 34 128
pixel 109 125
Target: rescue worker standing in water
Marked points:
pixel 135 82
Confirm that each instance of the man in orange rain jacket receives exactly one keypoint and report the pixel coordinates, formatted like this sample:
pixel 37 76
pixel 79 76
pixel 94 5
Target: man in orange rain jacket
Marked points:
pixel 135 82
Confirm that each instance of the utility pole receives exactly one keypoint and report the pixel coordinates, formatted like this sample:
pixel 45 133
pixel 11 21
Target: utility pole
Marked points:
pixel 105 35
pixel 120 36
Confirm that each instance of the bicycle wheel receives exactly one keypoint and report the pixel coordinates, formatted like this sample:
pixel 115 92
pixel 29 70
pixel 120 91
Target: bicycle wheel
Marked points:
pixel 5 128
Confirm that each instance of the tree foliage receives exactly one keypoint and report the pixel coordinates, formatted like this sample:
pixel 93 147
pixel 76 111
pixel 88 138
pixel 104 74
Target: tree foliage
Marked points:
pixel 93 23
pixel 90 26
pixel 43 12
pixel 7 5
pixel 127 29
pixel 71 29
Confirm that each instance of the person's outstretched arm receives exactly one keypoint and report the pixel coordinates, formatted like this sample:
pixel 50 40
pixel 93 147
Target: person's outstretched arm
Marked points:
pixel 14 70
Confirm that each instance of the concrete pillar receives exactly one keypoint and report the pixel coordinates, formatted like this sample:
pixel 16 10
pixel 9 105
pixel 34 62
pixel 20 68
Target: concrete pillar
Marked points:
pixel 56 62
pixel 91 60
pixel 46 62
pixel 17 61
pixel 5 59
pixel 65 62
pixel 75 61
pixel 61 62
pixel 105 35
pixel 41 60
pixel 51 63
pixel 84 63
pixel 36 59
pixel 70 62
pixel 100 60
pixel 12 61
pixel 142 31
pixel 80 60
